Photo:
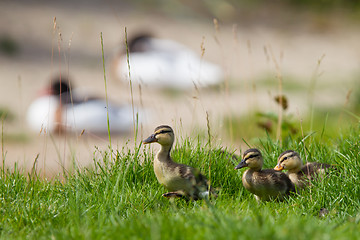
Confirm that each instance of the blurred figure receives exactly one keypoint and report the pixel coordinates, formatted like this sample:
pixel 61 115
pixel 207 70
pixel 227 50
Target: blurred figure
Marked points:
pixel 163 63
pixel 59 109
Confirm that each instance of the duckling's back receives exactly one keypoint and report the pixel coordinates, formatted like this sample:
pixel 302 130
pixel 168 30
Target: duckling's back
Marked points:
pixel 314 168
pixel 310 172
pixel 267 184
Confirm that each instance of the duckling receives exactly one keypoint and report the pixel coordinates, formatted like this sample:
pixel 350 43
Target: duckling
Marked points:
pixel 300 175
pixel 266 184
pixel 181 180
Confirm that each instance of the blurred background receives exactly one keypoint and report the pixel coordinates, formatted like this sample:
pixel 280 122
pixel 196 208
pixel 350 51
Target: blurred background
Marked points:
pixel 288 69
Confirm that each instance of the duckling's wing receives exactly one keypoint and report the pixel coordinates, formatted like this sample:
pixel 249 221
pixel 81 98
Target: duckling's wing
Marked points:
pixel 200 179
pixel 278 181
pixel 198 182
pixel 192 174
pixel 285 179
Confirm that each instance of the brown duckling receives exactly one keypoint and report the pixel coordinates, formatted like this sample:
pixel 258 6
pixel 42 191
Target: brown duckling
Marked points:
pixel 266 184
pixel 299 174
pixel 181 180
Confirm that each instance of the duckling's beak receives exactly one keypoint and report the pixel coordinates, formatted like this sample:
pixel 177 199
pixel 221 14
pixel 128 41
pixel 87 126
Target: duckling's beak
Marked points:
pixel 150 139
pixel 241 164
pixel 278 167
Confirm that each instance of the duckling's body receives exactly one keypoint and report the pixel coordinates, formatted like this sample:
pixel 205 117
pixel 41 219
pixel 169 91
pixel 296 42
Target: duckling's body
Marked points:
pixel 266 184
pixel 179 179
pixel 299 174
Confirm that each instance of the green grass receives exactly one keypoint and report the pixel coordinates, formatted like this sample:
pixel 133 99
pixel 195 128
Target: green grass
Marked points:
pixel 325 124
pixel 8 45
pixel 6 114
pixel 121 198
pixel 292 84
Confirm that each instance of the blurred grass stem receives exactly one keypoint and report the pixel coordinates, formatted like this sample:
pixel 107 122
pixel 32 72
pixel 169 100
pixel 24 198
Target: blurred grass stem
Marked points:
pixel 131 88
pixel 106 96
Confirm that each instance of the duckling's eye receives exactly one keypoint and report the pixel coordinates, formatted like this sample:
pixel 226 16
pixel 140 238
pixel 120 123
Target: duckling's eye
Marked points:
pixel 164 131
pixel 251 156
pixel 285 158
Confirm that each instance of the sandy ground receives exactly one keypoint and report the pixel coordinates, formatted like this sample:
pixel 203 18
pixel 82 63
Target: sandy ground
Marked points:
pixel 240 52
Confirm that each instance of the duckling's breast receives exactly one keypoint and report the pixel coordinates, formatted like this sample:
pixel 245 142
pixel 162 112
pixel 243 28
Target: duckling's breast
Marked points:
pixel 253 182
pixel 298 179
pixel 247 179
pixel 266 183
pixel 159 171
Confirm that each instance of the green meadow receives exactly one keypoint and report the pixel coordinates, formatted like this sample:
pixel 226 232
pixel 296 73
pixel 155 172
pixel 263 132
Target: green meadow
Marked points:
pixel 119 197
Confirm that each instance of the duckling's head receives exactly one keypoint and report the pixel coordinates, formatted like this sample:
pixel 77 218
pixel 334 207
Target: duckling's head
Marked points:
pixel 289 160
pixel 164 135
pixel 251 158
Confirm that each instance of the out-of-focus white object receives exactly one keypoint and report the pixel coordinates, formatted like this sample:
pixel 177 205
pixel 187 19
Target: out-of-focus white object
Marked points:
pixel 58 111
pixel 162 63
